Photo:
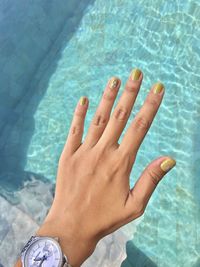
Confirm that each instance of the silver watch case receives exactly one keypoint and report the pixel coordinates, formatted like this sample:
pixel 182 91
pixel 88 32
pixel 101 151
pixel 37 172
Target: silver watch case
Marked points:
pixel 34 239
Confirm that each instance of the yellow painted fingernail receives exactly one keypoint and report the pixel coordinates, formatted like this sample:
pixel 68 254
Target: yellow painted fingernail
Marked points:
pixel 113 83
pixel 167 164
pixel 158 88
pixel 82 100
pixel 136 74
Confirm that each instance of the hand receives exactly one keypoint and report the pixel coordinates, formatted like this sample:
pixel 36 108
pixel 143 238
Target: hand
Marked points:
pixel 93 197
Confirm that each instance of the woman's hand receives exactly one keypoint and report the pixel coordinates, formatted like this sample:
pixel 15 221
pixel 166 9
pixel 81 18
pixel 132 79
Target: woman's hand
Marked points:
pixel 93 197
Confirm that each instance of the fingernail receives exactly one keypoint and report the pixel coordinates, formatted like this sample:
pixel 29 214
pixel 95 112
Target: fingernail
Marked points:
pixel 82 100
pixel 158 88
pixel 113 83
pixel 167 164
pixel 136 74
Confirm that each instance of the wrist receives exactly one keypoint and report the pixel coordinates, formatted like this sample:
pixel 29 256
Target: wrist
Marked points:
pixel 76 248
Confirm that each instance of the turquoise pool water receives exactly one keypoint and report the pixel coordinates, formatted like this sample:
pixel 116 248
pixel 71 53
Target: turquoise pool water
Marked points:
pixel 162 38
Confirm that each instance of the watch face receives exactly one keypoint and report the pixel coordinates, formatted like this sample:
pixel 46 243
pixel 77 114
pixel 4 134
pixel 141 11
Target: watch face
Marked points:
pixel 44 252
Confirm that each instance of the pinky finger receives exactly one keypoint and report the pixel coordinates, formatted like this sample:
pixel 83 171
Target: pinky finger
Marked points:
pixel 75 135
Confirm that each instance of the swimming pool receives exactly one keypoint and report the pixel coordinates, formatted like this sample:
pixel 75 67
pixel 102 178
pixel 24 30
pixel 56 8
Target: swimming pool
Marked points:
pixel 88 43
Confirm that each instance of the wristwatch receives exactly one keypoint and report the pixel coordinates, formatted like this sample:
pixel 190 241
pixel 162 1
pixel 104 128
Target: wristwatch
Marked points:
pixel 43 251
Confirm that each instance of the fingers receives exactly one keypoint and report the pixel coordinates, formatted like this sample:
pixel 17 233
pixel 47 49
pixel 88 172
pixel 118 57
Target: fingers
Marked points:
pixel 103 111
pixel 142 122
pixel 123 109
pixel 146 184
pixel 77 126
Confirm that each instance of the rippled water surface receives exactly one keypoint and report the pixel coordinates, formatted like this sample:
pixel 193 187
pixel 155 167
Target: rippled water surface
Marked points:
pixel 162 38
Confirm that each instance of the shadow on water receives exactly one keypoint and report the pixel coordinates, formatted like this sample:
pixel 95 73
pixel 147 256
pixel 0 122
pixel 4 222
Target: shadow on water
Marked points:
pixel 136 258
pixel 196 153
pixel 32 36
pixel 197 264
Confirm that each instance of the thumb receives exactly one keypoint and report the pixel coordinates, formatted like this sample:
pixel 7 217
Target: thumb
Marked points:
pixel 147 182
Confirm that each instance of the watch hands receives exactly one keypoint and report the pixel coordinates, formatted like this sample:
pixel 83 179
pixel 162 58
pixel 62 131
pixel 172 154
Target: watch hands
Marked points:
pixel 43 259
pixel 36 258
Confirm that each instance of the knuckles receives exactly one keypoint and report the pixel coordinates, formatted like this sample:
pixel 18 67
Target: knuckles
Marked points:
pixel 141 123
pixel 131 87
pixel 76 129
pixel 152 101
pixel 99 120
pixel 110 162
pixel 121 113
pixel 79 113
pixel 139 212
pixel 136 212
pixel 154 176
pixel 110 96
